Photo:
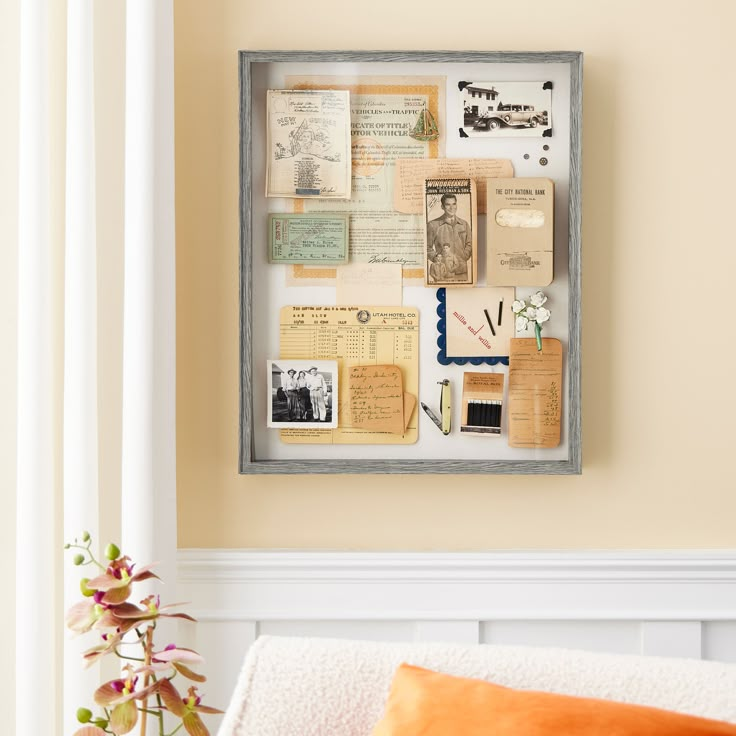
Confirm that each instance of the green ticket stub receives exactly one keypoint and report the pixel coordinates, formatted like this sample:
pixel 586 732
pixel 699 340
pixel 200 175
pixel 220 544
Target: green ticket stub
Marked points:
pixel 309 239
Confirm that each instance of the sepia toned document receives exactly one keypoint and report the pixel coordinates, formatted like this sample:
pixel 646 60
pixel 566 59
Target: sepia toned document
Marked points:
pixel 377 398
pixel 451 221
pixel 384 111
pixel 535 392
pixel 410 174
pixel 520 232
pixel 308 144
pixel 355 336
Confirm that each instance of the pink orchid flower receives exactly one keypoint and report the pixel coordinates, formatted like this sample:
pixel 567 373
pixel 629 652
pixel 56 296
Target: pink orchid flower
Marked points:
pixel 152 610
pixel 121 696
pixel 94 613
pixel 108 644
pixel 116 581
pixel 177 657
pixel 188 709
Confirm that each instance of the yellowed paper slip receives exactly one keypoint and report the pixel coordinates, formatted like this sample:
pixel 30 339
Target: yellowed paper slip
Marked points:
pixel 354 336
pixel 377 398
pixel 535 393
pixel 411 173
pixel 520 232
pixel 410 403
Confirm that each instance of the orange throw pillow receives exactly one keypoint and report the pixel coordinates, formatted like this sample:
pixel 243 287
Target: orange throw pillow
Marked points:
pixel 426 703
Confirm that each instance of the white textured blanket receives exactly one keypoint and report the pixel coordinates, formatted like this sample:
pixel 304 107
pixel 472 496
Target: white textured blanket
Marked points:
pixel 329 687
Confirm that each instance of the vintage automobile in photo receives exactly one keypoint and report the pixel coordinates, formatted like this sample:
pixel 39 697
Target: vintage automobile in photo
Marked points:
pixel 513 116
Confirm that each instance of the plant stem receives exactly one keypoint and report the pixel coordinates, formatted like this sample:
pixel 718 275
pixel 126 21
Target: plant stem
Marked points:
pixel 147 653
pixel 160 714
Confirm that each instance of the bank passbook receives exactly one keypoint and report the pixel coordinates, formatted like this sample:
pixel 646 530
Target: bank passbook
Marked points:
pixel 520 232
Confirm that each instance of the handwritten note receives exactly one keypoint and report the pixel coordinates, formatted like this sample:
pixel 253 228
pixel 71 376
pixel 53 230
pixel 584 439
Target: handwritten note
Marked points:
pixel 411 173
pixel 535 386
pixel 377 398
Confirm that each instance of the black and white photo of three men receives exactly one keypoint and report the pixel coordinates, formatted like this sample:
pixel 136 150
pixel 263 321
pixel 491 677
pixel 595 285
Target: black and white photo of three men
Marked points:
pixel 302 394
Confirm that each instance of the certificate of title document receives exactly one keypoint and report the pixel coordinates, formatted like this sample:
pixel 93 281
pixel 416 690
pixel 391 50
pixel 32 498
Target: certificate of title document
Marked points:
pixel 384 111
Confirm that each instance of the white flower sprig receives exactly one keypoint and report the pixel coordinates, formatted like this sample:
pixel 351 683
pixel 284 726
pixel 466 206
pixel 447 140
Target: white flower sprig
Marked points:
pixel 533 314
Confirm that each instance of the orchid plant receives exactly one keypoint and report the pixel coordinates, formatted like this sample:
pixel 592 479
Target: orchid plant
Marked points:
pixel 145 686
pixel 534 313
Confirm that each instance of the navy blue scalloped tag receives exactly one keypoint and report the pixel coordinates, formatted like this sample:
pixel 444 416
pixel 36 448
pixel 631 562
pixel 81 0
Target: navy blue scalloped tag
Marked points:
pixel 442 340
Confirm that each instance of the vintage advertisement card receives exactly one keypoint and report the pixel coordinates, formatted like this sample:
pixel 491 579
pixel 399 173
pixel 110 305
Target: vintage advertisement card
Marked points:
pixel 520 232
pixel 411 173
pixel 377 398
pixel 506 109
pixel 384 111
pixel 478 322
pixel 535 392
pixel 482 403
pixel 355 336
pixel 321 239
pixel 308 144
pixel 369 283
pixel 450 214
pixel 302 393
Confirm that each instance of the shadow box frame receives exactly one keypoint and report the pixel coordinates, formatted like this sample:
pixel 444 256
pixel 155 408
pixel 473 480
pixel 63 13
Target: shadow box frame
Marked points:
pixel 336 62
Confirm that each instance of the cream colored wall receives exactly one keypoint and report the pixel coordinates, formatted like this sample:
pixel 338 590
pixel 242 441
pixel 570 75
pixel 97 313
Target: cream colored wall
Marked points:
pixel 658 273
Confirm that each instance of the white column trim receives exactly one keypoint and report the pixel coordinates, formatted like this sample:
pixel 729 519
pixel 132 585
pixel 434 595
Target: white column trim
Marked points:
pixel 81 485
pixel 149 329
pixel 36 549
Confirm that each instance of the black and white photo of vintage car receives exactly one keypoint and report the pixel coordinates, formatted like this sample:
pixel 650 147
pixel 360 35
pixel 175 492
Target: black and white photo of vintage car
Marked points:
pixel 511 115
pixel 506 108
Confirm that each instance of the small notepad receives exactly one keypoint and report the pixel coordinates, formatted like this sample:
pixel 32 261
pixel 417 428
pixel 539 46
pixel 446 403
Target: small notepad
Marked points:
pixel 535 392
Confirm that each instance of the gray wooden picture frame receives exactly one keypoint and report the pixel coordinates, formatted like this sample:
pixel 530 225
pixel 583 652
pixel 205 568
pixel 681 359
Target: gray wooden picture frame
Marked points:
pixel 248 462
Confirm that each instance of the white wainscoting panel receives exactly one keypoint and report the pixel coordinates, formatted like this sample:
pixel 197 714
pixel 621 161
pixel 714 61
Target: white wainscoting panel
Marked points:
pixel 680 603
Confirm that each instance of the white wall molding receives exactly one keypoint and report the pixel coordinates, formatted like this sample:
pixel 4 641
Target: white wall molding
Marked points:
pixel 678 603
pixel 248 585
